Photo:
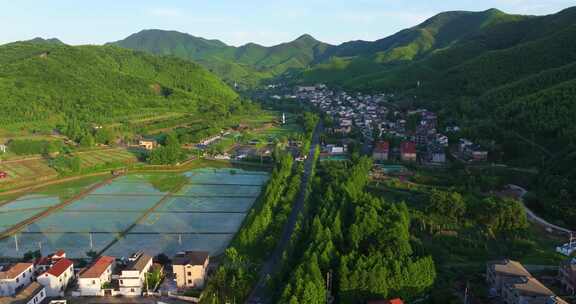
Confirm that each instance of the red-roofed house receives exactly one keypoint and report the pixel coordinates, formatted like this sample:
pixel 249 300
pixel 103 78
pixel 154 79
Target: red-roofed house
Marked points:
pixel 408 151
pixel 15 278
pixel 92 279
pixel 56 279
pixel 43 264
pixel 381 151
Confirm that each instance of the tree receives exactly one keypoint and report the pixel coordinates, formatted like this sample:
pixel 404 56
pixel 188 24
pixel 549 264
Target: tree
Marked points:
pixel 449 204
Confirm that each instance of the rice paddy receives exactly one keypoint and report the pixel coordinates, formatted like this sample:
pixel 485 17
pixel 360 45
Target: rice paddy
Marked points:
pixel 135 212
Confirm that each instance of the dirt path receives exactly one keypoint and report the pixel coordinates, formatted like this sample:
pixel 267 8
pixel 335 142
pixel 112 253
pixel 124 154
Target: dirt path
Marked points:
pixel 16 228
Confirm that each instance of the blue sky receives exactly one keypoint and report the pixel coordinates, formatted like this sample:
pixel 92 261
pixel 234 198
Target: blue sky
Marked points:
pixel 236 21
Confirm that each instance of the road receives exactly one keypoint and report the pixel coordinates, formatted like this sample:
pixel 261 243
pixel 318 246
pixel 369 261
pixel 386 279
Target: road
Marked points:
pixel 259 293
pixel 535 218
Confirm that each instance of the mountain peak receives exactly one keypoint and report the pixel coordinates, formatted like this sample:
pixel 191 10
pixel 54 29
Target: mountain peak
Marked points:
pixel 41 40
pixel 306 37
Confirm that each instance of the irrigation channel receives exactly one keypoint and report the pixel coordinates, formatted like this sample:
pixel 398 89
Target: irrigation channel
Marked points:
pixel 202 210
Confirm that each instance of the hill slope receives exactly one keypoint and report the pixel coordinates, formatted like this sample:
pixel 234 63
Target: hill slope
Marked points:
pixel 358 58
pixel 49 83
pixel 247 65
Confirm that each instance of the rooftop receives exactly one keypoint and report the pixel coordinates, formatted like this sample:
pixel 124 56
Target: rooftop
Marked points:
pixel 191 258
pixel 14 271
pixel 60 267
pixel 509 268
pixel 531 287
pixel 139 263
pixel 98 268
pixel 24 296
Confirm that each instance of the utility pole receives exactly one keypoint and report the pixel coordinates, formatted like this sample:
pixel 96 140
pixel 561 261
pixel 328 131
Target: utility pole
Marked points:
pixel 16 242
pixel 466 293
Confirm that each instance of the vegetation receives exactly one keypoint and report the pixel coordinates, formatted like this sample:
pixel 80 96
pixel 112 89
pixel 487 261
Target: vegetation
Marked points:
pixel 258 236
pixel 247 65
pixel 363 241
pixel 93 85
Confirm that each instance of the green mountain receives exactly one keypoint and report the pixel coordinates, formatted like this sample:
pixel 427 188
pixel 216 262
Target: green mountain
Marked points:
pixel 47 83
pixel 342 63
pixel 512 82
pixel 45 41
pixel 246 65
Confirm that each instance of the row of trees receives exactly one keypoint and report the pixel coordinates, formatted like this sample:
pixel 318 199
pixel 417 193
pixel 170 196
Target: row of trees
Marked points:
pixel 359 240
pixel 258 236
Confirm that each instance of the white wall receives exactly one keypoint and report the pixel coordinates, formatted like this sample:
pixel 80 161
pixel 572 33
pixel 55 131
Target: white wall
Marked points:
pixel 93 286
pixel 38 297
pixel 8 287
pixel 55 286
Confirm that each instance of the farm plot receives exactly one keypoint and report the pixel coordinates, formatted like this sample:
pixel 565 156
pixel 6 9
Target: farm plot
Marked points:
pixel 132 214
pixel 25 171
pixel 101 157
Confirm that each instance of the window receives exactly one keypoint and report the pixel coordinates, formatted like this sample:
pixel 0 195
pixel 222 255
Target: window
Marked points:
pixel 132 289
pixel 189 281
pixel 189 273
pixel 17 280
pixel 93 282
pixel 122 282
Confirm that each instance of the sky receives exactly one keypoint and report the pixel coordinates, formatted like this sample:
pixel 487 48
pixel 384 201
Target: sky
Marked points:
pixel 236 22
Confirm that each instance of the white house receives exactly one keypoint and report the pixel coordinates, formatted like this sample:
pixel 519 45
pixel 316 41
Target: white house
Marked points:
pixel 3 148
pixel 56 279
pixel 190 268
pixel 131 280
pixel 34 293
pixel 15 278
pixel 43 264
pixel 92 279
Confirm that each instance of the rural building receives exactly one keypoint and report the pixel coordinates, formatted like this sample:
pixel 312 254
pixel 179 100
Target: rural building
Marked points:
pixel 56 279
pixel 3 174
pixel 528 290
pixel 408 151
pixel 498 272
pixel 3 148
pixel 381 151
pixel 190 268
pixel 479 154
pixel 91 280
pixel 15 278
pixel 567 275
pixel 515 285
pixel 34 293
pixel 43 264
pixel 131 280
pixel 148 144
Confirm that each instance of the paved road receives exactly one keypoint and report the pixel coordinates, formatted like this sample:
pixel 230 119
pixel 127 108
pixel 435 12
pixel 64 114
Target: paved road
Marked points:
pixel 259 294
pixel 535 218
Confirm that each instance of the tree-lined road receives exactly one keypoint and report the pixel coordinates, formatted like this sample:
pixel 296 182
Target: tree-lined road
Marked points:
pixel 259 293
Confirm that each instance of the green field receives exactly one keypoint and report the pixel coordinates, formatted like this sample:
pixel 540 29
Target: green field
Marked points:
pixel 96 158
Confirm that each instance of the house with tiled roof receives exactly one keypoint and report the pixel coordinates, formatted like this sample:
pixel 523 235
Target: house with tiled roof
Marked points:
pixel 44 263
pixel 392 301
pixel 15 278
pixel 92 281
pixel 56 279
pixel 33 293
pixel 190 268
pixel 132 278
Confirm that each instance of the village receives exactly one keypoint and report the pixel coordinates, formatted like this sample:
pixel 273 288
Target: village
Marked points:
pixel 388 133
pixel 57 279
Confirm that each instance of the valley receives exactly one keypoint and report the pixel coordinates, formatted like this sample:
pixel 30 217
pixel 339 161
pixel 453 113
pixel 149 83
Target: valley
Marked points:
pixel 435 165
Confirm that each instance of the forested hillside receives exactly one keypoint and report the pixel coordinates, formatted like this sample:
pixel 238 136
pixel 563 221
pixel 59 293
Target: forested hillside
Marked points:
pixel 44 84
pixel 246 65
pixel 345 62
